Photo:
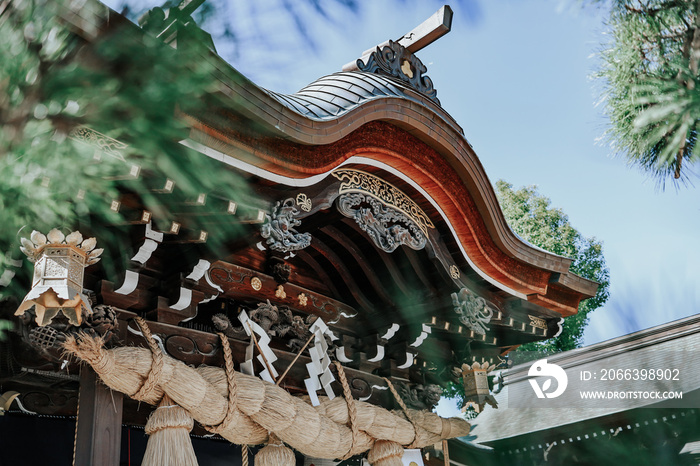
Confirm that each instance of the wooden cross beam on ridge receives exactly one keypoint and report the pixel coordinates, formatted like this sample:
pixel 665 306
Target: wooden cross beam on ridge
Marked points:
pixel 421 36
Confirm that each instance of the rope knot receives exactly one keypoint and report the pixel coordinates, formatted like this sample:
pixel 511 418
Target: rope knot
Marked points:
pixel 152 381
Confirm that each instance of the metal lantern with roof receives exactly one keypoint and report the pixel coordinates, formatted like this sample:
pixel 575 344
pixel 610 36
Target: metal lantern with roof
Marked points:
pixel 57 286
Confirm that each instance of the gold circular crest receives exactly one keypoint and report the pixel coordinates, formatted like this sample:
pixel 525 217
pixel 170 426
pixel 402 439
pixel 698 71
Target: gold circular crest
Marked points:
pixel 454 272
pixel 256 283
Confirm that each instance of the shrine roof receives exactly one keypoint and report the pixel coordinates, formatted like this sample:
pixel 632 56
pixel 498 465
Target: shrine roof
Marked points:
pixel 302 137
pixel 331 96
pixel 382 123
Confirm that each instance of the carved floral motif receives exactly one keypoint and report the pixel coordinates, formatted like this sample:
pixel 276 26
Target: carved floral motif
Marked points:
pixel 304 202
pixel 108 145
pixel 303 299
pixel 538 322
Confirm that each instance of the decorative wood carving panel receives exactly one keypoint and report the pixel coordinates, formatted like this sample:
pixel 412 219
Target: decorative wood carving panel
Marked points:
pixel 236 282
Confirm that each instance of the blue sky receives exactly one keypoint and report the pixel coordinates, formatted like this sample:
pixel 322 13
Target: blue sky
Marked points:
pixel 516 76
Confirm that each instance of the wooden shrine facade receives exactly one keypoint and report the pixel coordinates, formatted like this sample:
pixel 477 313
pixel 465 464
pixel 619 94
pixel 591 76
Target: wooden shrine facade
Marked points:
pixel 365 206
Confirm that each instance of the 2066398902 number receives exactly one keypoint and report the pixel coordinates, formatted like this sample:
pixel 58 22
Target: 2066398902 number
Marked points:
pixel 640 374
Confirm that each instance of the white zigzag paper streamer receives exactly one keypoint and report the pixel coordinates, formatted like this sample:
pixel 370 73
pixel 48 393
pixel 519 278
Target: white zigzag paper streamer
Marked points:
pixel 264 343
pixel 320 375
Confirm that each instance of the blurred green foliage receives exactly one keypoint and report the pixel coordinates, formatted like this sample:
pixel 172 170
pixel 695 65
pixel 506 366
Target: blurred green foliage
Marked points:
pixel 650 73
pixel 4 326
pixel 123 83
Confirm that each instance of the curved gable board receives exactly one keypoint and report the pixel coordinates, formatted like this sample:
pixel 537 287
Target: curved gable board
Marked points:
pixel 397 130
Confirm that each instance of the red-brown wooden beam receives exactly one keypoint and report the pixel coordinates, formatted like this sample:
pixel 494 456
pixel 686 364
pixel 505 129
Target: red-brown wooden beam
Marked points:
pixel 236 283
pixel 451 175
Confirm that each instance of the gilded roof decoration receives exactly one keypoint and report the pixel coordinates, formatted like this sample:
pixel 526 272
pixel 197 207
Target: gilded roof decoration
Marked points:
pixel 357 181
pixel 387 227
pixel 395 61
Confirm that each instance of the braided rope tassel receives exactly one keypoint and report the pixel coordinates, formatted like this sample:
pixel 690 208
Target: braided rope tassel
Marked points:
pixel 244 455
pixel 231 383
pixel 405 410
pixel 352 409
pixel 151 382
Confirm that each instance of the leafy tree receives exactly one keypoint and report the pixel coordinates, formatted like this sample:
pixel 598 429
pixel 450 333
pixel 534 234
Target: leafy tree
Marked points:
pixel 129 86
pixel 650 74
pixel 531 217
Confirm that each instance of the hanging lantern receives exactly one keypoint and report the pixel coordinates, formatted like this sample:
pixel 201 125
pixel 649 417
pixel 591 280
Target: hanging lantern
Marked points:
pixel 476 386
pixel 58 275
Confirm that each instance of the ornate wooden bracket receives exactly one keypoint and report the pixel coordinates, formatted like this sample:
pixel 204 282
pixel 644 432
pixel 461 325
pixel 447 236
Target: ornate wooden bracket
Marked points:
pixel 389 216
pixel 279 230
pixel 388 227
pixel 473 310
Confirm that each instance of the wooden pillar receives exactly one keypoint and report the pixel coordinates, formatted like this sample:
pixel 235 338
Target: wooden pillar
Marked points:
pixel 99 425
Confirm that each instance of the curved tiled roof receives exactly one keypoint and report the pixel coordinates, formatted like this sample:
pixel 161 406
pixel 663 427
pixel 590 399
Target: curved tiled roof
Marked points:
pixel 334 95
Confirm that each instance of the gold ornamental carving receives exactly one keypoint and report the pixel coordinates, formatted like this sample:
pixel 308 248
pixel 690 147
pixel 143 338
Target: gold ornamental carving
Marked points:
pixel 357 181
pixel 538 322
pixel 303 299
pixel 454 272
pixel 102 142
pixel 304 202
pixel 256 283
